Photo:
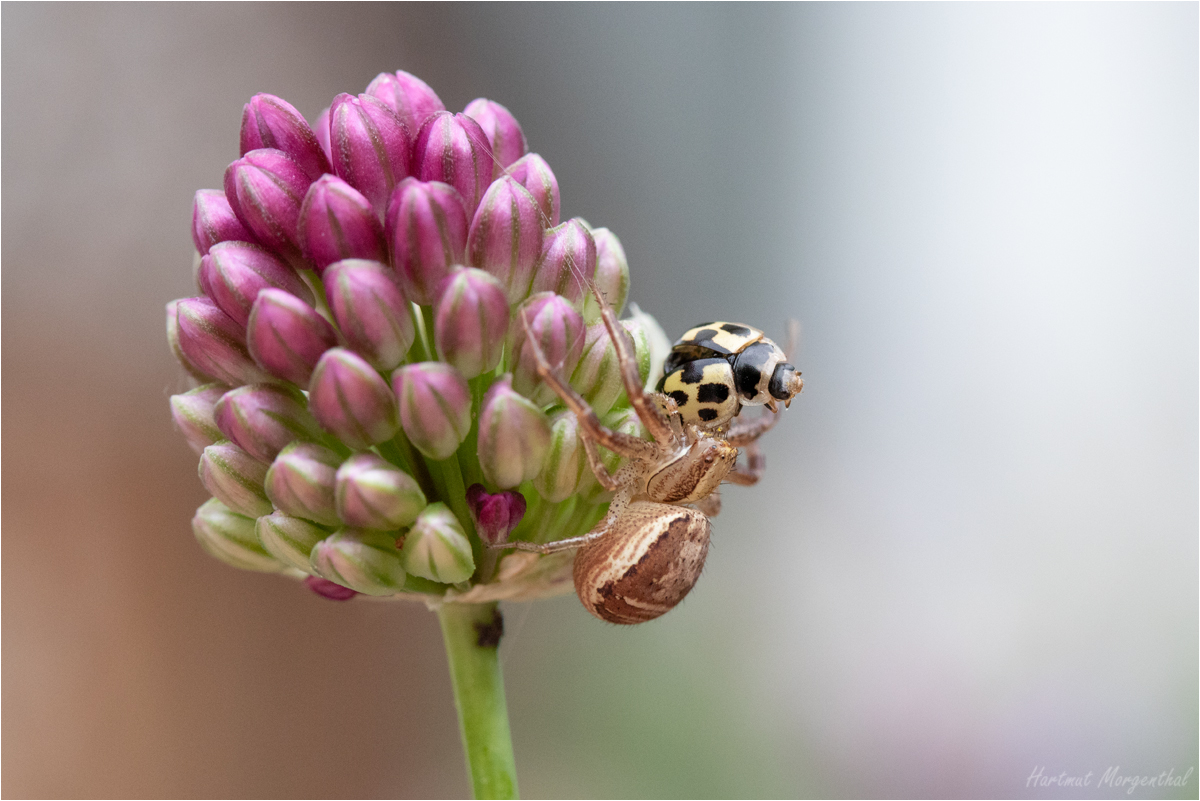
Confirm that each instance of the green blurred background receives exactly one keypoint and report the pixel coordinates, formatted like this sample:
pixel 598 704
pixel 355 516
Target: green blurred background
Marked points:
pixel 975 550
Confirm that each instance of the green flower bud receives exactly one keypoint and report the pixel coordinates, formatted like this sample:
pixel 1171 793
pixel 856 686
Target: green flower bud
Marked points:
pixel 289 539
pixel 365 561
pixel 436 547
pixel 230 537
pixel 658 344
pixel 565 467
pixel 236 478
pixel 371 493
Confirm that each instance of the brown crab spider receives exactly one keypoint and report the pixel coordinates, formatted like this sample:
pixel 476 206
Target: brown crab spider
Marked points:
pixel 648 551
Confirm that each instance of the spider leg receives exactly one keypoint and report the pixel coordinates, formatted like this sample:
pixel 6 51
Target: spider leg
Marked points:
pixel 589 422
pixel 614 511
pixel 606 479
pixel 750 472
pixel 710 505
pixel 651 417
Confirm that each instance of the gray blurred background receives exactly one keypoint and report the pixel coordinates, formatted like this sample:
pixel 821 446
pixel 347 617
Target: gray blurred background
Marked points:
pixel 974 554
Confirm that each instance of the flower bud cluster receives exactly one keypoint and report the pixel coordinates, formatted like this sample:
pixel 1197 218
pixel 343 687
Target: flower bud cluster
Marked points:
pixel 373 284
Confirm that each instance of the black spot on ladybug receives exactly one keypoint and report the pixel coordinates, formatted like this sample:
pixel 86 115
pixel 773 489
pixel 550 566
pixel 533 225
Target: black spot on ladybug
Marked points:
pixel 707 415
pixel 693 372
pixel 735 329
pixel 680 398
pixel 713 393
pixel 748 368
pixel 704 334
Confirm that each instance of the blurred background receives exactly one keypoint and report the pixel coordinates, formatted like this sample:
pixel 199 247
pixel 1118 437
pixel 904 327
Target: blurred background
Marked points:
pixel 974 553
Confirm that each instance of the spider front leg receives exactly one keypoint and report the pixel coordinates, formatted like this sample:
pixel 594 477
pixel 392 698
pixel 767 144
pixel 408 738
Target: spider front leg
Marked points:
pixel 590 425
pixel 652 418
pixel 749 473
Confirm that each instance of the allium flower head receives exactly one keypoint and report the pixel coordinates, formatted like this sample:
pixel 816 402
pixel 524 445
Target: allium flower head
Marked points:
pixel 361 352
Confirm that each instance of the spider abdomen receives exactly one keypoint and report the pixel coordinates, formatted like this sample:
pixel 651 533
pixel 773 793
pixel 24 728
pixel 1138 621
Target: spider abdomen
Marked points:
pixel 645 565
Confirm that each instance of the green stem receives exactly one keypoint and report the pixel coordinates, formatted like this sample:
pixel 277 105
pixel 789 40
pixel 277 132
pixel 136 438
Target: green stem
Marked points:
pixel 472 635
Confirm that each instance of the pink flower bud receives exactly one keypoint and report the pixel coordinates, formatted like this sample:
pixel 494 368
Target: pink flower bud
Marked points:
pixel 235 478
pixel 300 482
pixel 503 132
pixel 351 401
pixel 470 321
pixel 495 515
pixel 612 275
pixel 370 146
pixel 270 121
pixel 435 407
pixel 506 236
pixel 263 418
pixel 374 318
pixel 427 231
pixel 532 172
pixel 558 330
pixel 233 273
pixel 337 222
pixel 407 95
pixel 212 342
pixel 452 148
pixel 321 131
pixel 568 262
pixel 176 350
pixel 265 189
pixel 513 436
pixel 193 413
pixel 328 589
pixel 213 221
pixel 372 493
pixel 287 336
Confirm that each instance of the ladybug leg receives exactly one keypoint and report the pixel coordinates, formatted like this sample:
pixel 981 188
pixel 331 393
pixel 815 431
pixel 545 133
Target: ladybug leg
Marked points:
pixel 749 473
pixel 743 432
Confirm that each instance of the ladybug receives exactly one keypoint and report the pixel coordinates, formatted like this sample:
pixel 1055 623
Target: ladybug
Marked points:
pixel 717 368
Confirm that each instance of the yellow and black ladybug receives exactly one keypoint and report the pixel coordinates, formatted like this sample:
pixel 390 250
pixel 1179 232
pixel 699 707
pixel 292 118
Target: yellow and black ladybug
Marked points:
pixel 717 368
